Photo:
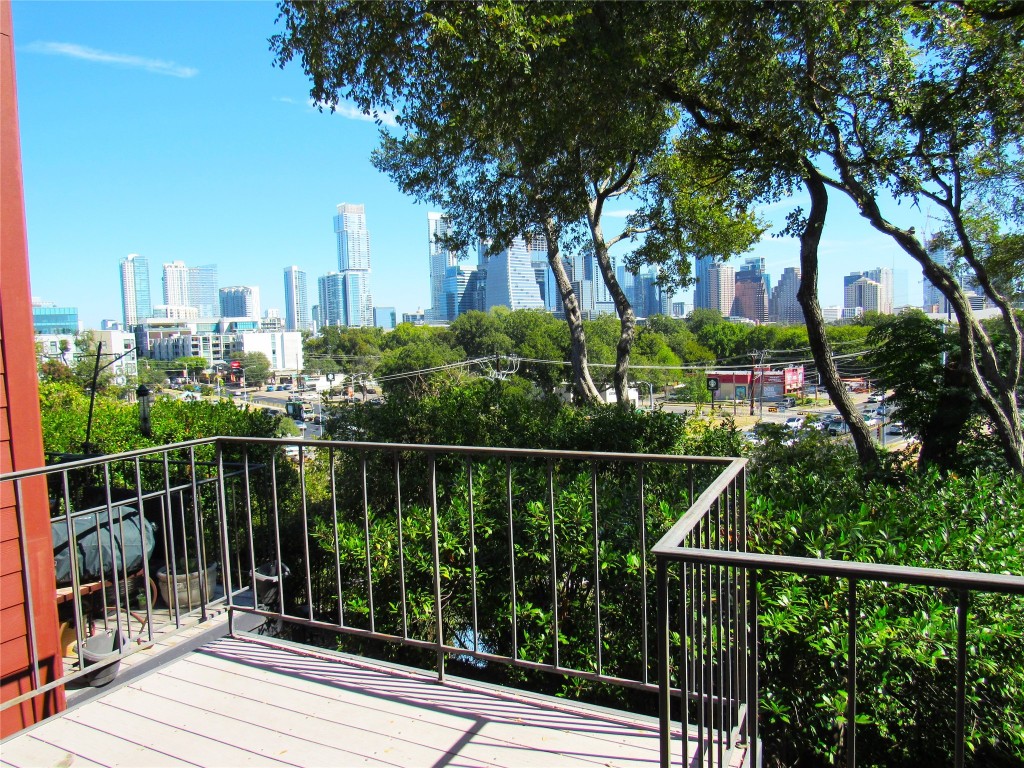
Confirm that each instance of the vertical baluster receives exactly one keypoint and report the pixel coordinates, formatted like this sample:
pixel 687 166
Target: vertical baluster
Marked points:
pixel 335 540
pixel 960 735
pixel 366 540
pixel 597 571
pixel 401 546
pixel 554 561
pixel 438 618
pixel 305 532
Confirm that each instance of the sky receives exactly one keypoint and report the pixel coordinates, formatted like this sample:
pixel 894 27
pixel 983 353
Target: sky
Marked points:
pixel 164 129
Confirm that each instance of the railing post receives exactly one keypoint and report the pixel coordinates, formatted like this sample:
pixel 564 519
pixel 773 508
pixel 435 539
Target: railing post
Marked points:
pixel 664 681
pixel 960 736
pixel 439 623
pixel 851 675
pixel 222 503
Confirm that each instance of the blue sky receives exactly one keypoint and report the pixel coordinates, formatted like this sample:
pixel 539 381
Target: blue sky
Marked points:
pixel 163 128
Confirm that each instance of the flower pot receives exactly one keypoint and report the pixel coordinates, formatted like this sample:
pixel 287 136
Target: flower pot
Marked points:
pixel 98 648
pixel 186 593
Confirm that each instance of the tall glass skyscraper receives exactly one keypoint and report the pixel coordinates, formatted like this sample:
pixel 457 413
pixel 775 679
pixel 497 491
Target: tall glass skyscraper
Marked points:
pixel 440 260
pixel 202 290
pixel 296 302
pixel 136 301
pixel 511 281
pixel 354 263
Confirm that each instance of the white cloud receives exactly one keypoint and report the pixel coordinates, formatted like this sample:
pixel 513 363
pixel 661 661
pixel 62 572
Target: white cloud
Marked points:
pixel 71 50
pixel 618 214
pixel 351 112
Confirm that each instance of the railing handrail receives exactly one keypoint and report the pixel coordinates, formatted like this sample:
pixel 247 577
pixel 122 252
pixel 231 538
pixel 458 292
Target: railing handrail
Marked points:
pixel 103 458
pixel 856 569
pixel 701 505
pixel 479 450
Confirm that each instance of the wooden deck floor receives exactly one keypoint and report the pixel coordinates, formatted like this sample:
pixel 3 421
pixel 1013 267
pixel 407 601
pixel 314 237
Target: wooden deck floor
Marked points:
pixel 236 702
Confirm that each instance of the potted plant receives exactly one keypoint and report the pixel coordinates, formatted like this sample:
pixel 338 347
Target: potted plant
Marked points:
pixel 98 648
pixel 189 582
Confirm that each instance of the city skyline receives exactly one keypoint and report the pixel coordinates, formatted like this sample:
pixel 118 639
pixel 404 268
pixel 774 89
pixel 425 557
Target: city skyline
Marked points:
pixel 179 115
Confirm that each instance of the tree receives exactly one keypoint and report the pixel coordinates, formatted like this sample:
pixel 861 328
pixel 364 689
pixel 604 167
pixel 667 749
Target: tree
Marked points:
pixel 519 146
pixel 192 365
pixel 917 360
pixel 255 368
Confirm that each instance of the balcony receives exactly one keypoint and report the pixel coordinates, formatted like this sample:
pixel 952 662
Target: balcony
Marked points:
pixel 474 604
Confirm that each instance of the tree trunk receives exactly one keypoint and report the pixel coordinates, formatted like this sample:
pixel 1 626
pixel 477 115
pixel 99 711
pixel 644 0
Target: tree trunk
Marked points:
pixel 627 318
pixel 996 392
pixel 583 385
pixel 807 295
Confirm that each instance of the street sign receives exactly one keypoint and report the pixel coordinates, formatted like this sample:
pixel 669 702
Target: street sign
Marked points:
pixel 712 384
pixel 330 377
pixel 236 364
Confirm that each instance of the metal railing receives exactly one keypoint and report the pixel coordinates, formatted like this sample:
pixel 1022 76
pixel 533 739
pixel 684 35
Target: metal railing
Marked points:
pixel 721 642
pixel 535 560
pixel 538 560
pixel 124 528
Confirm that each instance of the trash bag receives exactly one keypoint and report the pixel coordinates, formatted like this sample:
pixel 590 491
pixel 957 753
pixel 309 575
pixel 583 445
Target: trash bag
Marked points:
pixel 98 555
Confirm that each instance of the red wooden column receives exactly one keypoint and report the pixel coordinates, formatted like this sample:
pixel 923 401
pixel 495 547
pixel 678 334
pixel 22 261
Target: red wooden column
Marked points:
pixel 21 442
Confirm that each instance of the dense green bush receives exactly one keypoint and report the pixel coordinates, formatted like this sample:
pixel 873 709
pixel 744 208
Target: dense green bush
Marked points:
pixel 808 500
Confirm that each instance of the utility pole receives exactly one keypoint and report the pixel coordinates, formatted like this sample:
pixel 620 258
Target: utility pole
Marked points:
pixel 756 361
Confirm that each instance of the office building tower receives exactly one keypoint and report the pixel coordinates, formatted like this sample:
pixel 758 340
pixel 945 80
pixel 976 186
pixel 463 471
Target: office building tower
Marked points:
pixel 751 298
pixel 331 294
pixel 202 290
pixel 721 288
pixel 453 289
pixel 136 300
pixel 441 259
pixel 49 319
pixel 296 303
pixel 176 280
pixel 511 281
pixel 702 287
pixel 385 317
pixel 240 301
pixel 784 307
pixel 863 294
pixel 881 276
pixel 353 242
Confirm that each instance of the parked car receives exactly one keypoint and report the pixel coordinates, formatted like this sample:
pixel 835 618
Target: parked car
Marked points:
pixel 876 397
pixel 895 428
pixel 795 422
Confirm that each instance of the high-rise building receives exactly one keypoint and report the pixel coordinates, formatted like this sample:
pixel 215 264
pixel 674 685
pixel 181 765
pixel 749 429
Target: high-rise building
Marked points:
pixel 384 317
pixel 863 294
pixel 240 301
pixel 511 281
pixel 753 287
pixel 784 307
pixel 331 294
pixel 353 241
pixel 721 288
pixel 702 287
pixel 202 290
pixel 296 302
pixel 751 300
pixel 441 259
pixel 136 300
pixel 176 283
pixel 882 276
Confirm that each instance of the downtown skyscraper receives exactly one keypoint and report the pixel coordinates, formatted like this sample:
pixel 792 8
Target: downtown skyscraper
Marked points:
pixel 136 300
pixel 441 259
pixel 353 241
pixel 296 301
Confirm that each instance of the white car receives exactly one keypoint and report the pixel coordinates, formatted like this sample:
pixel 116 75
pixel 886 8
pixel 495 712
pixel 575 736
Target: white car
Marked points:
pixel 895 428
pixel 795 422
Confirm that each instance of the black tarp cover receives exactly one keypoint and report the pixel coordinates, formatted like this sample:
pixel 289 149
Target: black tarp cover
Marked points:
pixel 92 535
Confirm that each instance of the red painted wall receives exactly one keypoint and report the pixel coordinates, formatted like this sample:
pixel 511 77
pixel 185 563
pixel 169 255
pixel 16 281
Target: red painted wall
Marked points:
pixel 21 442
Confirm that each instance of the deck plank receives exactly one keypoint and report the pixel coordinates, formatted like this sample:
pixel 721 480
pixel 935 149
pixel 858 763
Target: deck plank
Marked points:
pixel 241 702
pixel 102 746
pixel 30 752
